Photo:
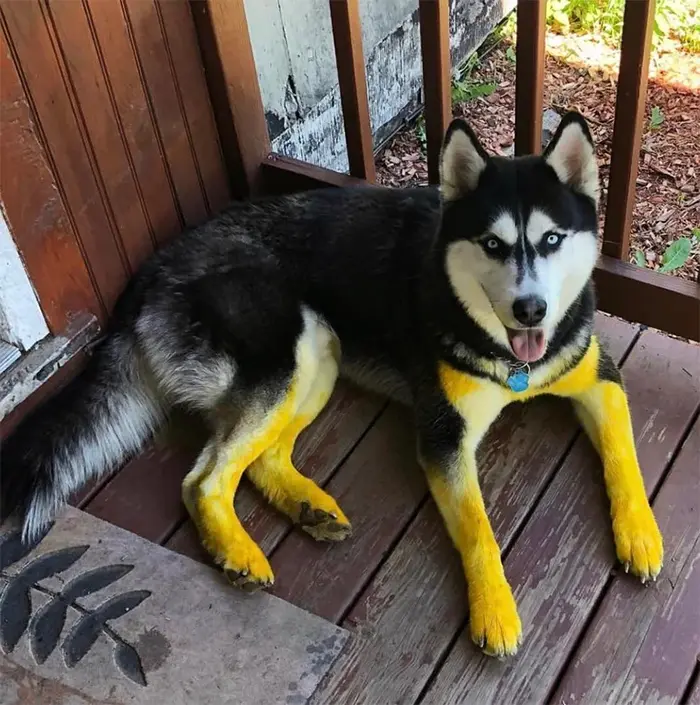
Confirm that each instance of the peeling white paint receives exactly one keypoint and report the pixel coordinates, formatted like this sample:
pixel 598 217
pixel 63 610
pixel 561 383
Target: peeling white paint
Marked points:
pixel 21 320
pixel 298 76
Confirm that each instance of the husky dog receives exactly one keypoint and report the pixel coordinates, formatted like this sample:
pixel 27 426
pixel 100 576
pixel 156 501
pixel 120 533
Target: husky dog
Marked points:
pixel 459 300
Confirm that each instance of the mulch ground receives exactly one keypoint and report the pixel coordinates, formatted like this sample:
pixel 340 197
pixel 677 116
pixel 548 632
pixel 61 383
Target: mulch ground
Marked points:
pixel 581 75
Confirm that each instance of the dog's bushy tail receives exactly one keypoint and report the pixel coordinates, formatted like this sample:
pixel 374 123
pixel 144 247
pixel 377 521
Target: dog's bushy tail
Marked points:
pixel 90 427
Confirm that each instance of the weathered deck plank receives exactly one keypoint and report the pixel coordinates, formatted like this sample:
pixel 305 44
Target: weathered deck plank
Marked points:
pixel 379 487
pixel 558 569
pixel 144 497
pixel 340 426
pixel 631 631
pixel 406 618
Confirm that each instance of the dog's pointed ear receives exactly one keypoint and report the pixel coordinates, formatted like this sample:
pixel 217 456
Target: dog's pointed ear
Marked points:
pixel 462 161
pixel 572 156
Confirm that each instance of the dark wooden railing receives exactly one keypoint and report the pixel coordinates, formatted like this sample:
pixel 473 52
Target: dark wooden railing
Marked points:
pixel 644 296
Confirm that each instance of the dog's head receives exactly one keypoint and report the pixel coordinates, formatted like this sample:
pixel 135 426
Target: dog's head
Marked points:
pixel 520 236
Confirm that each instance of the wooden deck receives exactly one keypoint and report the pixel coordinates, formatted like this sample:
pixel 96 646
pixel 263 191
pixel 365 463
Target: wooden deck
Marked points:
pixel 591 634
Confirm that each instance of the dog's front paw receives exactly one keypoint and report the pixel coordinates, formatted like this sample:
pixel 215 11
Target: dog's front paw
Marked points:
pixel 638 540
pixel 495 624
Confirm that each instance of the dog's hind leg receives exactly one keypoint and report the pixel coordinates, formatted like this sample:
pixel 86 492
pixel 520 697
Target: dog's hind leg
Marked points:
pixel 245 427
pixel 209 489
pixel 274 473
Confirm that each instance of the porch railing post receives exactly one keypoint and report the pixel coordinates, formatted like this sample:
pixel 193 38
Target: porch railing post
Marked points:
pixel 629 125
pixel 435 49
pixel 234 91
pixel 529 76
pixel 347 38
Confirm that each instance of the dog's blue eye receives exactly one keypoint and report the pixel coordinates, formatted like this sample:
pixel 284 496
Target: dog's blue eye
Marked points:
pixel 492 243
pixel 553 239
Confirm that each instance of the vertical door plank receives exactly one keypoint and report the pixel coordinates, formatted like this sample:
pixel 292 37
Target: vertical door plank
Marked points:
pixel 35 211
pixel 155 60
pixel 57 113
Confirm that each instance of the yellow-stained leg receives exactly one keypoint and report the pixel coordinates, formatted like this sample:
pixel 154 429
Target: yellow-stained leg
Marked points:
pixel 449 440
pixel 605 415
pixel 286 488
pixel 493 616
pixel 208 490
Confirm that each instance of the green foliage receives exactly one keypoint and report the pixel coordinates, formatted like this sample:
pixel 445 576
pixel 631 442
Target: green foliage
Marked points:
pixel 677 19
pixel 657 118
pixel 676 254
pixel 466 87
pixel 464 91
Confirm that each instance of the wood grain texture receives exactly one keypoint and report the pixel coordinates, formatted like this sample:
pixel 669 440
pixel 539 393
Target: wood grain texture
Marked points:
pixel 350 60
pixel 408 615
pixel 105 112
pixel 558 569
pixel 56 111
pixel 615 661
pixel 137 121
pixel 379 488
pixel 154 55
pixel 179 33
pixel 145 496
pixel 40 224
pixel 114 174
pixel 227 54
pixel 657 300
pixel 320 449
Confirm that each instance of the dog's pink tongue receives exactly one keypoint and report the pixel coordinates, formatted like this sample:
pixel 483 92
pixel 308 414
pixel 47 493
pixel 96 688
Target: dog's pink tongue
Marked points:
pixel 528 345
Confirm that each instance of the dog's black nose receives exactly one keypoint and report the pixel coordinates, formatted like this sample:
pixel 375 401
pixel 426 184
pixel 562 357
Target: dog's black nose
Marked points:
pixel 529 310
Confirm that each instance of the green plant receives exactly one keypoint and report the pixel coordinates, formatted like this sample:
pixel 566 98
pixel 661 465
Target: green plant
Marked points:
pixel 656 118
pixel 466 87
pixel 677 19
pixel 464 91
pixel 510 54
pixel 676 254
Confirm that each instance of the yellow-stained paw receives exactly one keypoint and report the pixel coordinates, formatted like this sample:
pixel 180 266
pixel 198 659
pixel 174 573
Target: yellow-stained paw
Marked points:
pixel 638 540
pixel 494 621
pixel 248 568
pixel 325 523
